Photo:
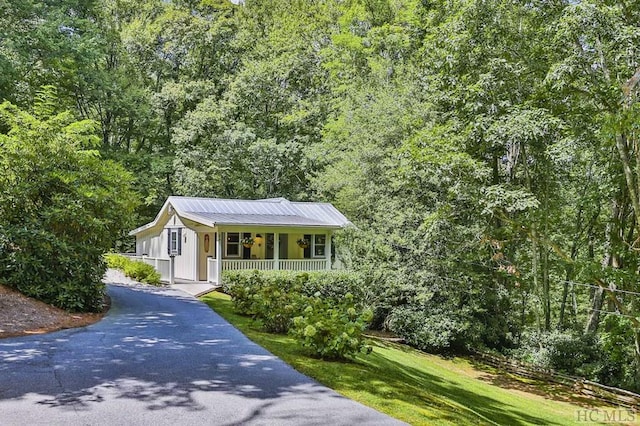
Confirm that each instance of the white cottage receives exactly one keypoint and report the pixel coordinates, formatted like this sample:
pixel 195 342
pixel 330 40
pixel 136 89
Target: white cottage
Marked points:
pixel 206 236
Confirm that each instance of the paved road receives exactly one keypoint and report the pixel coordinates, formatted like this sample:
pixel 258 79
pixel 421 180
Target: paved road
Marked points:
pixel 160 357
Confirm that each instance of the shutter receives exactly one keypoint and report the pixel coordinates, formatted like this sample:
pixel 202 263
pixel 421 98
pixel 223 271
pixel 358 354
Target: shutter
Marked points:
pixel 168 241
pixel 179 241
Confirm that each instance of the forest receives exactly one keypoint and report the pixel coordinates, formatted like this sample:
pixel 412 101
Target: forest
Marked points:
pixel 485 151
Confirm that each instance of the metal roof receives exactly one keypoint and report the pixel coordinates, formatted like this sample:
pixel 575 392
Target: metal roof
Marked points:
pixel 268 212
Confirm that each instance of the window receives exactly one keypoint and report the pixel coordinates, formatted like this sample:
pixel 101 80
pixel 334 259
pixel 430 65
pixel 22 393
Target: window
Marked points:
pixel 233 244
pixel 319 245
pixel 174 246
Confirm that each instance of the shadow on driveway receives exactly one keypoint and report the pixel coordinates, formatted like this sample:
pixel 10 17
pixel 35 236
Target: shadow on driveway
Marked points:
pixel 160 357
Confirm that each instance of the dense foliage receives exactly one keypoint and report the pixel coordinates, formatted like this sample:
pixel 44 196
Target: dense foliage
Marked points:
pixel 486 151
pixel 61 206
pixel 315 308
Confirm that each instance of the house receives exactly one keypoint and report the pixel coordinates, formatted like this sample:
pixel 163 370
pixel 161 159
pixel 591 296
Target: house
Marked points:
pixel 195 239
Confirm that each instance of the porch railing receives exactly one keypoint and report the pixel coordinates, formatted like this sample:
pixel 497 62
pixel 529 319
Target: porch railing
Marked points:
pixel 303 264
pixel 235 265
pixel 163 265
pixel 212 270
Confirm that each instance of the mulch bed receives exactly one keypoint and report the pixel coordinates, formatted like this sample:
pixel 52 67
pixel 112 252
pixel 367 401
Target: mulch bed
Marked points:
pixel 21 315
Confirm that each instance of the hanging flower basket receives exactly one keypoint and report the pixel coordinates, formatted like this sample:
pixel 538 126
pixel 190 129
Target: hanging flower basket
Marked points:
pixel 247 242
pixel 303 243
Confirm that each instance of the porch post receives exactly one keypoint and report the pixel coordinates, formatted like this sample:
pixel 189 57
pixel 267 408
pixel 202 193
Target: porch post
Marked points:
pixel 172 269
pixel 276 251
pixel 219 256
pixel 328 250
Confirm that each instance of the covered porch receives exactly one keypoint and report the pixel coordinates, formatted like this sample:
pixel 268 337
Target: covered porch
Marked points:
pixel 197 239
pixel 218 250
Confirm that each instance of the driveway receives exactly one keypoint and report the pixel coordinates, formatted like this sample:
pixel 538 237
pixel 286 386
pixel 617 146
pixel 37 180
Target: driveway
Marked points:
pixel 160 357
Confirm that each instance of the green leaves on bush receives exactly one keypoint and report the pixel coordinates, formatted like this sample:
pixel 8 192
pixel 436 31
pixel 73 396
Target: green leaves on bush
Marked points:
pixel 44 267
pixel 61 205
pixel 330 284
pixel 276 307
pixel 330 327
pixel 134 269
pixel 428 330
pixel 274 302
pixel 331 330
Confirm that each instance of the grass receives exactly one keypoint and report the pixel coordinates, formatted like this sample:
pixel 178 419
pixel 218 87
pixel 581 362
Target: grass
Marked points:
pixel 419 388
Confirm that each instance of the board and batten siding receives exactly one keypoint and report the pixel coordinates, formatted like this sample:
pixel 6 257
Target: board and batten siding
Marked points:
pixel 185 267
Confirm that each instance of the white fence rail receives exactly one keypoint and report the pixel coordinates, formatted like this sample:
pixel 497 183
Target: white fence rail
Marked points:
pixel 235 265
pixel 212 270
pixel 303 264
pixel 163 266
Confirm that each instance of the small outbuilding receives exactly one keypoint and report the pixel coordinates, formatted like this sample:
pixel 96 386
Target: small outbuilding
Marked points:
pixel 205 236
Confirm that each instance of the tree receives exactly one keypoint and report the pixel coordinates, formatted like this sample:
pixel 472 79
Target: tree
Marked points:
pixel 61 205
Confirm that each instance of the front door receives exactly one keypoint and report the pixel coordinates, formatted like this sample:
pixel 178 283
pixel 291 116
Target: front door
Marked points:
pixel 205 244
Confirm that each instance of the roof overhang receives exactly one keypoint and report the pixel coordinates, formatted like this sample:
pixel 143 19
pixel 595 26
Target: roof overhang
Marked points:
pixel 249 220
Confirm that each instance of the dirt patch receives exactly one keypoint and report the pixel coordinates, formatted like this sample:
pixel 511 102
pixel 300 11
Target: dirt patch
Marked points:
pixel 21 315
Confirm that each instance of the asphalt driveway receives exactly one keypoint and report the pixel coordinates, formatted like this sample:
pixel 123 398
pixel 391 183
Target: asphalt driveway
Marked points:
pixel 160 357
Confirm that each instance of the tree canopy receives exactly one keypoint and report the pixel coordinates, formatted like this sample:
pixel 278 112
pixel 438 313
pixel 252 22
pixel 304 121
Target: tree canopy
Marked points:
pixel 486 150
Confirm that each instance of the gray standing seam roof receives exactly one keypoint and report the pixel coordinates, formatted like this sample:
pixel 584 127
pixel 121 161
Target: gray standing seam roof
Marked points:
pixel 269 212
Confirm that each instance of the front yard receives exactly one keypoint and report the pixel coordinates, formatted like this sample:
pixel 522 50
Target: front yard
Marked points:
pixel 423 389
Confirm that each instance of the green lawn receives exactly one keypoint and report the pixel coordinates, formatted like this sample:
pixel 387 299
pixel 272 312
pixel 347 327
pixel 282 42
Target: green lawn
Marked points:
pixel 415 387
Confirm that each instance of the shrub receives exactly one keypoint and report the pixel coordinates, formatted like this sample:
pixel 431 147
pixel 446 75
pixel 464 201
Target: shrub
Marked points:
pixel 134 269
pixel 242 286
pixel 276 307
pixel 115 261
pixel 430 331
pixel 330 284
pixel 39 265
pixel 561 351
pixel 331 330
pixel 61 205
pixel 274 301
pixel 337 284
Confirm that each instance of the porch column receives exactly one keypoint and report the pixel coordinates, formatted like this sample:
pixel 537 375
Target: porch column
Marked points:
pixel 219 256
pixel 327 250
pixel 276 251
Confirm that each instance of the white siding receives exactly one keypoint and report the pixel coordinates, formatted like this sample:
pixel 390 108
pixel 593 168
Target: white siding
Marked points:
pixel 186 262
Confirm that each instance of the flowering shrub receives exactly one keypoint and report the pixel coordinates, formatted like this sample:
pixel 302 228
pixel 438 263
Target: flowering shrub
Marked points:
pixel 332 330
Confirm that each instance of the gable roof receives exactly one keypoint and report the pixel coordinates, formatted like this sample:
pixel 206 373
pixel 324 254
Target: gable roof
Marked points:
pixel 267 212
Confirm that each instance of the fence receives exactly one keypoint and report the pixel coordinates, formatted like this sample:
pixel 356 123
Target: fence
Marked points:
pixel 607 394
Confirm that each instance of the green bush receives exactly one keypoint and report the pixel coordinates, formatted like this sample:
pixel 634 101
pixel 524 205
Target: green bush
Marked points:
pixel 116 261
pixel 39 265
pixel 331 330
pixel 62 205
pixel 242 286
pixel 428 330
pixel 276 307
pixel 330 284
pixel 328 321
pixel 273 301
pixel 134 269
pixel 607 358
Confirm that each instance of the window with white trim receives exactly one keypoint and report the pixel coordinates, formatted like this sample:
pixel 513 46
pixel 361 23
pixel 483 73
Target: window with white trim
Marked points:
pixel 233 244
pixel 319 245
pixel 174 238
